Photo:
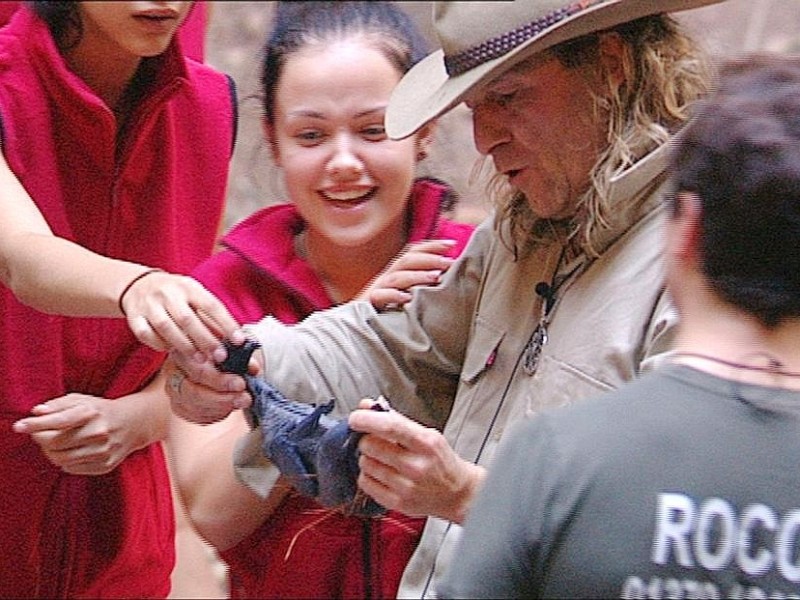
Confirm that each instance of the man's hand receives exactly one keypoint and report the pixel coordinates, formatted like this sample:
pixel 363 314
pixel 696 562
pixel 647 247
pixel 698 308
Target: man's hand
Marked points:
pixel 200 393
pixel 408 467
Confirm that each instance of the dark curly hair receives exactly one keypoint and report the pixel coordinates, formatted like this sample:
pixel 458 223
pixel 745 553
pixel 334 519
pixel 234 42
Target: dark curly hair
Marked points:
pixel 741 156
pixel 298 24
pixel 62 18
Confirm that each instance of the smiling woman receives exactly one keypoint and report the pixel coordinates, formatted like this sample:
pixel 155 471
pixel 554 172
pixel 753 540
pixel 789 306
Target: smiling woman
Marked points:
pixel 355 204
pixel 345 178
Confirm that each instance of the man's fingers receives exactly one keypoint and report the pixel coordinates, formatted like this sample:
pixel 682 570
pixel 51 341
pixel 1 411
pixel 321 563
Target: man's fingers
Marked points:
pixel 205 373
pixel 391 426
pixel 198 404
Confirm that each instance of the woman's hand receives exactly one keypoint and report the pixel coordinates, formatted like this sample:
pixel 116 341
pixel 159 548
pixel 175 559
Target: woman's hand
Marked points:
pixel 85 435
pixel 408 467
pixel 421 263
pixel 175 312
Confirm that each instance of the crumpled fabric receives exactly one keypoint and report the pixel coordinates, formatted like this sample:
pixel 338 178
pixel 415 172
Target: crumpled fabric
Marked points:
pixel 315 452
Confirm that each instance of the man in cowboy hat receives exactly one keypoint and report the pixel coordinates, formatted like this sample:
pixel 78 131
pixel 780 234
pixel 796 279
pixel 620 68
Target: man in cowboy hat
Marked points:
pixel 559 295
pixel 683 483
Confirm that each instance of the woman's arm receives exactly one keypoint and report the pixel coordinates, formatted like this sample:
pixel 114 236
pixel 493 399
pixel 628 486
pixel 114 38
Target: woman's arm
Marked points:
pixel 222 510
pixel 57 276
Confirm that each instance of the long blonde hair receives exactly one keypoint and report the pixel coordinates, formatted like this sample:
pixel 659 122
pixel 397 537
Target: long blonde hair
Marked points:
pixel 665 72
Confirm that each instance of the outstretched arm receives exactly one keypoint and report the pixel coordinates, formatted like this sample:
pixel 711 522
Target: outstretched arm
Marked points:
pixel 57 276
pixel 222 510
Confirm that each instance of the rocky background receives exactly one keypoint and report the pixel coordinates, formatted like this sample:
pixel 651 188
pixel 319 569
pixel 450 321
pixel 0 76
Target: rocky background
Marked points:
pixel 237 31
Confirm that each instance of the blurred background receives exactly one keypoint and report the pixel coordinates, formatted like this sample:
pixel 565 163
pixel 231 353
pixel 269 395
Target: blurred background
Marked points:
pixel 237 31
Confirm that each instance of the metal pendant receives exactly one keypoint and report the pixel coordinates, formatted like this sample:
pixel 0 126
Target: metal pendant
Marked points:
pixel 533 349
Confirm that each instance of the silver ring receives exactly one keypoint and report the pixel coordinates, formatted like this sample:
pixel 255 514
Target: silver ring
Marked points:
pixel 175 381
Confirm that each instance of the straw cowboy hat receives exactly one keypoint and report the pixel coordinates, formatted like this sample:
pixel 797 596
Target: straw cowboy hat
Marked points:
pixel 480 40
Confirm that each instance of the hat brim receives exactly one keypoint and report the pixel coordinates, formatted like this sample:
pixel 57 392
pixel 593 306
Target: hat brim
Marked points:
pixel 426 92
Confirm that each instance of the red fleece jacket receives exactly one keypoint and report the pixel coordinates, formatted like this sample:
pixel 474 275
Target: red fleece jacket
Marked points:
pixel 157 201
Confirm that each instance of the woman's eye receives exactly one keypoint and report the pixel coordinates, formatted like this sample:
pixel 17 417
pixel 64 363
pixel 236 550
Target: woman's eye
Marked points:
pixel 309 136
pixel 374 132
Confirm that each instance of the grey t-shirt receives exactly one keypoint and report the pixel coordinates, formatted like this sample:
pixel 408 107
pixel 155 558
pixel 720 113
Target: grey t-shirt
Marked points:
pixel 678 485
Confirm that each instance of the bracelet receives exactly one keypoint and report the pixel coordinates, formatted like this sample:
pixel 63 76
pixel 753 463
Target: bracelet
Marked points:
pixel 130 285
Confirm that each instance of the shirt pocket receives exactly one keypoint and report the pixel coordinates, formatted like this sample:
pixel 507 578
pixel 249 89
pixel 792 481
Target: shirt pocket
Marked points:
pixel 562 383
pixel 482 352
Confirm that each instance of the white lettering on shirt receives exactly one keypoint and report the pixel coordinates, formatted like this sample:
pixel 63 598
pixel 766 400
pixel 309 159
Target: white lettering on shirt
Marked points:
pixel 714 537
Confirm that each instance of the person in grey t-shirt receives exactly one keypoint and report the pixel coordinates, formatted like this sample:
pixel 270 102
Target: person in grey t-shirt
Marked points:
pixel 684 483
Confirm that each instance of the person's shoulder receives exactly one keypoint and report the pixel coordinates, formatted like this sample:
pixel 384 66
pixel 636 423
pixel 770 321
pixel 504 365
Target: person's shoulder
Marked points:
pixel 265 235
pixel 460 226
pixel 606 415
pixel 200 74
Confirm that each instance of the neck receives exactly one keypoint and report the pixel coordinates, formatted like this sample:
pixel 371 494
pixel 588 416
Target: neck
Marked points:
pixel 346 270
pixel 733 345
pixel 108 76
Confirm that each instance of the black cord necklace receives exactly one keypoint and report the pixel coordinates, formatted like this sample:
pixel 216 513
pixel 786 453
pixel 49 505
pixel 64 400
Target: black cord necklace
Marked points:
pixel 548 292
pixel 775 367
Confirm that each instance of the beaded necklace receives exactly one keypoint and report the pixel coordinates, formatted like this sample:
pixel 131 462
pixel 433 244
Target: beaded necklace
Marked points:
pixel 774 366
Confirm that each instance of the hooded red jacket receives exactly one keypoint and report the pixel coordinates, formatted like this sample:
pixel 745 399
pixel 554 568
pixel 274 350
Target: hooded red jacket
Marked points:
pixel 157 200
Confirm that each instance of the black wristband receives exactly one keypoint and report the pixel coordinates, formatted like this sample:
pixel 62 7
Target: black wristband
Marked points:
pixel 130 285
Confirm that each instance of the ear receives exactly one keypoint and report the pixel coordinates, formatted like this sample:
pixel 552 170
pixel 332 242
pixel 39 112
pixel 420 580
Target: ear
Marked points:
pixel 269 136
pixel 685 230
pixel 423 140
pixel 612 57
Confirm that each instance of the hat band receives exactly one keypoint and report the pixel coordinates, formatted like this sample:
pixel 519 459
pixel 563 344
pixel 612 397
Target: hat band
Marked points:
pixel 498 46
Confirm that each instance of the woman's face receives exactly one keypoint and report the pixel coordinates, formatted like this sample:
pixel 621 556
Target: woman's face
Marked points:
pixel 132 29
pixel 348 180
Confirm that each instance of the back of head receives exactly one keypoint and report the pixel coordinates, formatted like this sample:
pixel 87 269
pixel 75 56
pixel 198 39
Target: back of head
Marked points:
pixel 301 24
pixel 741 156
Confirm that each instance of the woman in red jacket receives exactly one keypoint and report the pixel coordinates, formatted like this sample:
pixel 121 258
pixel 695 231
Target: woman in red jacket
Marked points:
pixel 355 204
pixel 124 146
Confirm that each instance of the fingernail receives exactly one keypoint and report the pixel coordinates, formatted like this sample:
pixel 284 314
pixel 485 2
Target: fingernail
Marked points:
pixel 219 354
pixel 238 337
